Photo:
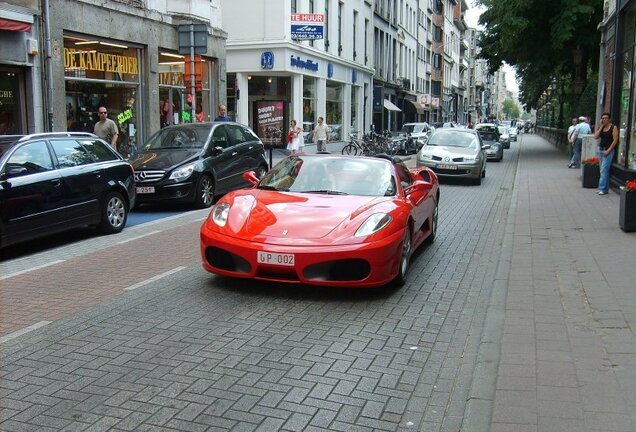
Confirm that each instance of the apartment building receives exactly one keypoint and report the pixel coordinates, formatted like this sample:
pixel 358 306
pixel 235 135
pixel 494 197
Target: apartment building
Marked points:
pixel 277 73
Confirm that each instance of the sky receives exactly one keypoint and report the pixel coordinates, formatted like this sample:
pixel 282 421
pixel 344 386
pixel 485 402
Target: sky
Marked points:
pixel 472 19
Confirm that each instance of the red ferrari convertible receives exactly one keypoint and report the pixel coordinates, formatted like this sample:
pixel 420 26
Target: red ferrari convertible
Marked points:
pixel 324 220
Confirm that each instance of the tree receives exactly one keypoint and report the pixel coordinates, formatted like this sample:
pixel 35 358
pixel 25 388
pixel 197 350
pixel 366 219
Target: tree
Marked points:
pixel 510 109
pixel 538 38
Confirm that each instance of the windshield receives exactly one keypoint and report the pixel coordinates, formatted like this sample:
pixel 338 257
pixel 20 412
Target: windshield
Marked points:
pixel 488 136
pixel 452 138
pixel 412 128
pixel 180 137
pixel 503 130
pixel 331 176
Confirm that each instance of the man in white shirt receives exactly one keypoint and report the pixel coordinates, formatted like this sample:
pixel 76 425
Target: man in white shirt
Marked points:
pixel 321 135
pixel 570 140
pixel 580 130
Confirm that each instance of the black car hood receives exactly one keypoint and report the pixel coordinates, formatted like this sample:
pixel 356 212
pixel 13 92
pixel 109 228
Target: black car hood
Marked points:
pixel 164 159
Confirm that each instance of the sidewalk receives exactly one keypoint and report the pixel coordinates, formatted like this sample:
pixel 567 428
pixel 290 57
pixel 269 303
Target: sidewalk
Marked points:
pixel 558 352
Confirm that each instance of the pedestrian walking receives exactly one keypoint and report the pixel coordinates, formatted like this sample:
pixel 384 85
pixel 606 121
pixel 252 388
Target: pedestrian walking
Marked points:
pixel 570 141
pixel 105 128
pixel 581 129
pixel 320 135
pixel 293 137
pixel 608 135
pixel 223 114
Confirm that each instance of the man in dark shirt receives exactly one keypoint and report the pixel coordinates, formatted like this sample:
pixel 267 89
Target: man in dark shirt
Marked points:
pixel 223 114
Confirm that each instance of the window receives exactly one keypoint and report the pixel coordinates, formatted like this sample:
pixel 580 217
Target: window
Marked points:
pixel 326 25
pixel 99 151
pixel 70 153
pixel 355 31
pixel 294 6
pixel 340 6
pixel 219 137
pixel 34 157
pixel 309 103
pixel 366 42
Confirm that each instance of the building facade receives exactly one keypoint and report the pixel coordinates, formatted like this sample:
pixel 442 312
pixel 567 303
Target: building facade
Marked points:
pixel 274 75
pixel 617 70
pixel 73 56
pixel 21 96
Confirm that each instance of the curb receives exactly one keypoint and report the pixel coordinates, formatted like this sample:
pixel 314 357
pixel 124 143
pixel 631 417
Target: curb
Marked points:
pixel 481 396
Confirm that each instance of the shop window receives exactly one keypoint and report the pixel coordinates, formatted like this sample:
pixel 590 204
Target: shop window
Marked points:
pixel 334 110
pixel 102 73
pixel 309 104
pixel 354 108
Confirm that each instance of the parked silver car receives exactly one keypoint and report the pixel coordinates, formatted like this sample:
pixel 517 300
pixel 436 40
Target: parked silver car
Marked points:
pixel 455 152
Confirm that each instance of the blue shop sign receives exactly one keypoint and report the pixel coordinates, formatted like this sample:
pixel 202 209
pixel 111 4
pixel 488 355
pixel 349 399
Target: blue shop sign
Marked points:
pixel 329 70
pixel 354 76
pixel 267 60
pixel 304 64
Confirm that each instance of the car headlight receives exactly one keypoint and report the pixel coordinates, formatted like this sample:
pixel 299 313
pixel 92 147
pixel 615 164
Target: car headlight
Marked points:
pixel 373 224
pixel 183 172
pixel 426 156
pixel 219 214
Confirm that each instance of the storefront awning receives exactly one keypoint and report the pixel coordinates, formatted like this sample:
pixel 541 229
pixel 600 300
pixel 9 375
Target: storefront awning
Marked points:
pixel 389 105
pixel 6 24
pixel 420 108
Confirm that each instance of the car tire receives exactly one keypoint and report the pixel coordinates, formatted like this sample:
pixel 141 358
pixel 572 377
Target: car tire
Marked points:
pixel 405 259
pixel 114 213
pixel 350 150
pixel 204 192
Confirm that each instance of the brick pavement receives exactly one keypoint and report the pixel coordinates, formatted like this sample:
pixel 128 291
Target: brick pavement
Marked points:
pixel 517 318
pixel 567 359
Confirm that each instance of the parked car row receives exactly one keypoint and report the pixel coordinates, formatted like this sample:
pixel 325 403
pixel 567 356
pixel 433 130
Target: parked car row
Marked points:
pixel 58 181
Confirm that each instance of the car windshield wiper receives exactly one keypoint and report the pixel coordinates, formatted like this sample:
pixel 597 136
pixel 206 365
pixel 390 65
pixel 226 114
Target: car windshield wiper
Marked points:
pixel 272 188
pixel 326 191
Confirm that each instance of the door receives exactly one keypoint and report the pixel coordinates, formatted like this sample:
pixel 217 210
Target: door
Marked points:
pixel 31 198
pixel 249 150
pixel 222 159
pixel 82 181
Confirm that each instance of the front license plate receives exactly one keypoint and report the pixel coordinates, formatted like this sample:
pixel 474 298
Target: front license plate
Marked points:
pixel 450 167
pixel 145 189
pixel 275 259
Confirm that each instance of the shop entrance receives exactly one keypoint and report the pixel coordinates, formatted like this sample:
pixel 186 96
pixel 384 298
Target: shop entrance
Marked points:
pixel 12 107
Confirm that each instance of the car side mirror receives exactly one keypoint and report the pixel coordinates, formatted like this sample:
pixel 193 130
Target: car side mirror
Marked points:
pixel 251 177
pixel 13 171
pixel 418 186
pixel 216 150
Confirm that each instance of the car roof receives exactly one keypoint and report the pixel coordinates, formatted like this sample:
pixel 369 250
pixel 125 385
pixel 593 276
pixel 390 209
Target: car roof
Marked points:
pixel 455 130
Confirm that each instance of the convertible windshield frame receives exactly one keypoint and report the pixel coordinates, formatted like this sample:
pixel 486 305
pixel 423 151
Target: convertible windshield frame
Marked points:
pixel 325 175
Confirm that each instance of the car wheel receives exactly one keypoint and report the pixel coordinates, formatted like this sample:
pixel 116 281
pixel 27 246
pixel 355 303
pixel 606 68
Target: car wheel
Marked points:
pixel 483 173
pixel 477 181
pixel 405 259
pixel 500 155
pixel 204 194
pixel 350 150
pixel 114 213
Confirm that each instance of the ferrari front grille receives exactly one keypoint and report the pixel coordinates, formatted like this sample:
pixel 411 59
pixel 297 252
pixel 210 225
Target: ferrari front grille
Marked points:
pixel 224 260
pixel 339 270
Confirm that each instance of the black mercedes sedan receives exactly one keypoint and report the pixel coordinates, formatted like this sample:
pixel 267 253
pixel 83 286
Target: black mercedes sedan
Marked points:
pixel 194 162
pixel 53 182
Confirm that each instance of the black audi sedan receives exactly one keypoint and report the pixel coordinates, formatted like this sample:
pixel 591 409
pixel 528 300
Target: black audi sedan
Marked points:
pixel 194 162
pixel 57 181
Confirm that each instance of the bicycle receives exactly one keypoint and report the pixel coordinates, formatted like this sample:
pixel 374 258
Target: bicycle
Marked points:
pixel 356 147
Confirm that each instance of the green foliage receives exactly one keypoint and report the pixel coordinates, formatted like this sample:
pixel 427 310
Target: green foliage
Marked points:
pixel 510 109
pixel 538 38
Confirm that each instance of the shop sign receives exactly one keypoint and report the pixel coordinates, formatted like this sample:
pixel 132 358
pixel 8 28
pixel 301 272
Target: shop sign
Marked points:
pixel 435 102
pixel 354 76
pixel 304 64
pixel 307 26
pixel 424 99
pixel 124 116
pixel 98 61
pixel 171 78
pixel 329 70
pixel 267 60
pixel 6 96
pixel 270 122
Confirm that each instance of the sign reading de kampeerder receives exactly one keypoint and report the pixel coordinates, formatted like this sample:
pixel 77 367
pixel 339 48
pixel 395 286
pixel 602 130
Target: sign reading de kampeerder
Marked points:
pixel 307 26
